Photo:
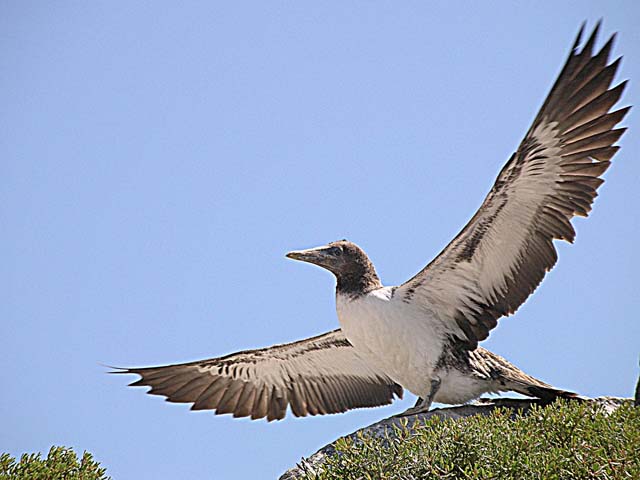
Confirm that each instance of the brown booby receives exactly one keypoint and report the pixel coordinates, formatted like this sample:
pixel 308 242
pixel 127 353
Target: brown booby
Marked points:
pixel 423 335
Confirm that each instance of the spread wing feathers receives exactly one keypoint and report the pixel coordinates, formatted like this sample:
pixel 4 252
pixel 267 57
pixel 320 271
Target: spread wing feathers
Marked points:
pixel 315 376
pixel 502 254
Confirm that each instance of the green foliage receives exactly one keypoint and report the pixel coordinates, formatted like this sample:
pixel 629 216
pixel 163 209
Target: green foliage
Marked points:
pixel 61 464
pixel 566 440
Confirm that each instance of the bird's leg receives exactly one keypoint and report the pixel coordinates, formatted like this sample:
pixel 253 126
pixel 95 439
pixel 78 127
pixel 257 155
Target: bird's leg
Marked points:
pixel 423 404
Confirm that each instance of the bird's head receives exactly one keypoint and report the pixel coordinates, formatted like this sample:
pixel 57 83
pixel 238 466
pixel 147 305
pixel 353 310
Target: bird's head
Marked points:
pixel 346 260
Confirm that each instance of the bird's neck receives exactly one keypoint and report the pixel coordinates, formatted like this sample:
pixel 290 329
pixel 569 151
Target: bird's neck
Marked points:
pixel 357 283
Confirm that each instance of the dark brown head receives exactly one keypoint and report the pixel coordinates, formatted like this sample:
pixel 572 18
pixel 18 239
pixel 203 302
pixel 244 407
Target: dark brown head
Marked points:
pixel 351 266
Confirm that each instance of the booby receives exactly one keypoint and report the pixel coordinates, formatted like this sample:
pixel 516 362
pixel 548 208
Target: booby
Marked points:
pixel 423 335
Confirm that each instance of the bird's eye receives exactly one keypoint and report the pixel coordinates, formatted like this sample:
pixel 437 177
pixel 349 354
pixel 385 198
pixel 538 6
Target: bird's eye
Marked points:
pixel 337 252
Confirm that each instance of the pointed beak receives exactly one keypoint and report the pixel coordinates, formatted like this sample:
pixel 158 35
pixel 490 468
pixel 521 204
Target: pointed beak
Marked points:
pixel 318 255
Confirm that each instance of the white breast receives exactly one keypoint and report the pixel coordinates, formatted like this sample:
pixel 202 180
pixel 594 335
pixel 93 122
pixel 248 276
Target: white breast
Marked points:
pixel 394 336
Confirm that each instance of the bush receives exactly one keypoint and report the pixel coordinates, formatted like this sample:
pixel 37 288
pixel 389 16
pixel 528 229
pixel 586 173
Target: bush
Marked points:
pixel 560 441
pixel 61 463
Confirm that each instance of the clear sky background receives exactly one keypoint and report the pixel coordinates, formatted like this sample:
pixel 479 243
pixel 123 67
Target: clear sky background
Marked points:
pixel 158 159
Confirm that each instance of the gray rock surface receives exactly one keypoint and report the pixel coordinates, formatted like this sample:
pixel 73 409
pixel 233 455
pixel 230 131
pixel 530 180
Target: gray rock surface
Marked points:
pixel 385 427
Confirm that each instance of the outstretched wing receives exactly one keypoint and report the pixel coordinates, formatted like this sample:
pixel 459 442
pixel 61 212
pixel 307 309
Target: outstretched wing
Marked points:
pixel 502 254
pixel 315 376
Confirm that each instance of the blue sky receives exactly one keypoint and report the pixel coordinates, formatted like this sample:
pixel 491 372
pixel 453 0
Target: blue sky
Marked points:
pixel 160 158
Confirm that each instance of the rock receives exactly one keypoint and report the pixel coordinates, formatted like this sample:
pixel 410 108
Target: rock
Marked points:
pixel 483 406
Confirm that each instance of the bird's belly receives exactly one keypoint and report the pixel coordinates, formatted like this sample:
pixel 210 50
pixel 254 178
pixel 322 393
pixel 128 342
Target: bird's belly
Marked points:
pixel 458 387
pixel 393 338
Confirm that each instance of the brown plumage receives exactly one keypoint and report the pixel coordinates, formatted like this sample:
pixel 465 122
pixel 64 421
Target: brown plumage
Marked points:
pixel 552 177
pixel 316 376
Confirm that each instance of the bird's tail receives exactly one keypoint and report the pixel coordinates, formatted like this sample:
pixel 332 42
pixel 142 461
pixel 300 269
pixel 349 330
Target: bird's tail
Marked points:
pixel 512 378
pixel 541 390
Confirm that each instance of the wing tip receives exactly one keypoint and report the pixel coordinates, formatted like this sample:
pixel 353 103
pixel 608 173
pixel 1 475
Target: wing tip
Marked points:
pixel 588 46
pixel 578 39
